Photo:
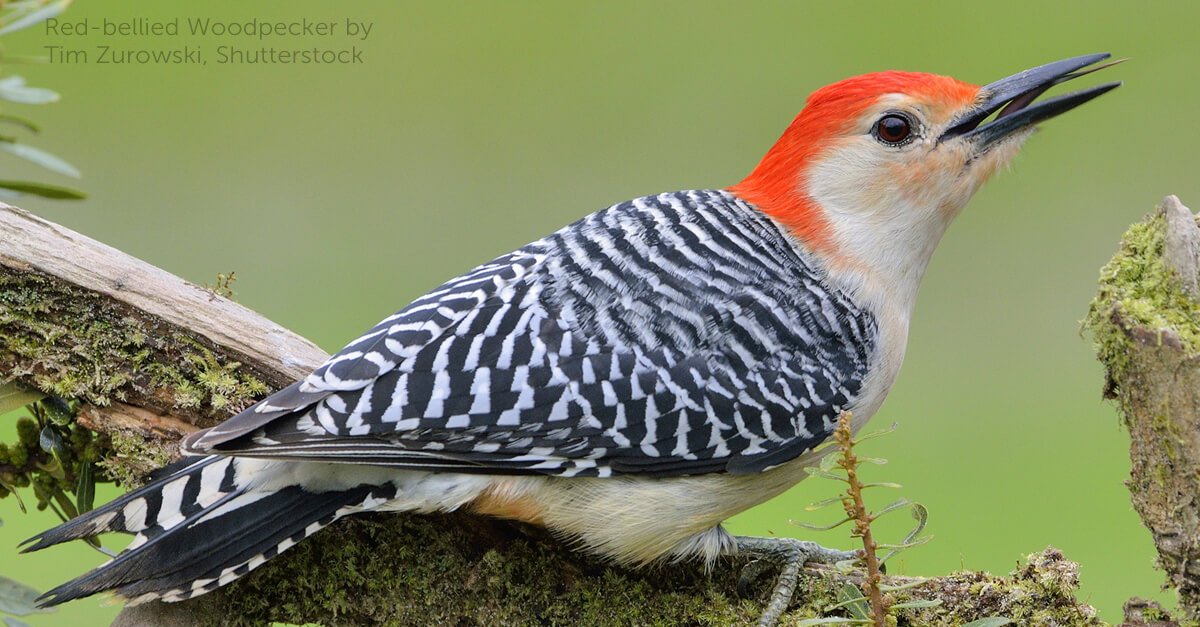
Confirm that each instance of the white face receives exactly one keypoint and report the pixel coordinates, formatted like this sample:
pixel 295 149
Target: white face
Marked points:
pixel 889 188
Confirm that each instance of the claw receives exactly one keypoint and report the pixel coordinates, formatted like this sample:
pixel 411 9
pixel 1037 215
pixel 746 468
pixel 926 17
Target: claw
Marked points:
pixel 790 555
pixel 750 574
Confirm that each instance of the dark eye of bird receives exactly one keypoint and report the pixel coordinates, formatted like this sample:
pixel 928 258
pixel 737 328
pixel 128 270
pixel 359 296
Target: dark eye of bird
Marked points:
pixel 893 129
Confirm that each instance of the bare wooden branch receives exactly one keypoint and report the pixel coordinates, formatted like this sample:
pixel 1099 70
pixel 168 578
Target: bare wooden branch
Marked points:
pixel 1181 248
pixel 154 356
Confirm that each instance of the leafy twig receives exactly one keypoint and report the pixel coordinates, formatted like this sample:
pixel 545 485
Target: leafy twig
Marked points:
pixel 224 285
pixel 856 510
pixel 871 604
pixel 16 15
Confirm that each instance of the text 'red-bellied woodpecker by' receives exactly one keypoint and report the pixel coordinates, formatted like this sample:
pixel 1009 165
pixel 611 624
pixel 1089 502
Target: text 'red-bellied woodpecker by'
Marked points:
pixel 630 381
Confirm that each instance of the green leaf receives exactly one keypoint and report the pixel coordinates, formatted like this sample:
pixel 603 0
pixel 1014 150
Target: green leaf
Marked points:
pixel 14 396
pixel 85 489
pixel 882 484
pixel 833 620
pixel 25 19
pixel 27 59
pixel 14 89
pixel 17 598
pixel 85 501
pixel 891 507
pixel 853 600
pixel 874 434
pixel 16 495
pixel 820 527
pixel 51 441
pixel 30 125
pixel 53 467
pixel 990 621
pixel 817 472
pixel 900 546
pixel 884 587
pixel 40 157
pixel 812 507
pixel 43 190
pixel 58 411
pixel 68 508
pixel 921 515
pixel 22 5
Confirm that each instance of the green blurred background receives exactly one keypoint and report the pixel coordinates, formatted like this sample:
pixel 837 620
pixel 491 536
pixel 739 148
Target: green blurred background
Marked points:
pixel 338 193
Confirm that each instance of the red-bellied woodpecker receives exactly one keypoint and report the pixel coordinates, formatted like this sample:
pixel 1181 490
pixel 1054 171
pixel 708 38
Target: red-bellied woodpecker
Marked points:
pixel 628 382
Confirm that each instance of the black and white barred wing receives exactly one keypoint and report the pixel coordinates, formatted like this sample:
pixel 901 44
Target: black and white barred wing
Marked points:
pixel 648 338
pixel 396 340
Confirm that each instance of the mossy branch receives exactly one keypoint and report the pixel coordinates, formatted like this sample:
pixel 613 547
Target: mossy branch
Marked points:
pixel 1145 321
pixel 149 357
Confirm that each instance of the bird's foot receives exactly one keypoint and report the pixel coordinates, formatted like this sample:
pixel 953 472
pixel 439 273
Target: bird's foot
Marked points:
pixel 790 556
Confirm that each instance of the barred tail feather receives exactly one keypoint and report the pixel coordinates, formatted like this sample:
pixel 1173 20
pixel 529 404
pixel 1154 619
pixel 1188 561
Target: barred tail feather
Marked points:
pixel 242 543
pixel 143 508
pixel 198 530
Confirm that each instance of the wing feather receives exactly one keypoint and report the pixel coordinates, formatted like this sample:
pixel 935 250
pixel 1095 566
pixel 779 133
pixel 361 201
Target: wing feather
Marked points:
pixel 572 356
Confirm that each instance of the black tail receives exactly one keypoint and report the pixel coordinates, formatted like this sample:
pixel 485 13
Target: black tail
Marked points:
pixel 198 530
pixel 137 511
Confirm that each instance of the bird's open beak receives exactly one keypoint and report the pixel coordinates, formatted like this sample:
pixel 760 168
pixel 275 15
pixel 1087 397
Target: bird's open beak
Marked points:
pixel 1014 98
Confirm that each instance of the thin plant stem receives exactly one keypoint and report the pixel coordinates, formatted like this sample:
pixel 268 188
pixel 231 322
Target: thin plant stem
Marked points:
pixel 857 511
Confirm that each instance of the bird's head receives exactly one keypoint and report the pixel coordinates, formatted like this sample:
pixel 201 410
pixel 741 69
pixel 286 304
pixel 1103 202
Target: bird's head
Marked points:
pixel 875 167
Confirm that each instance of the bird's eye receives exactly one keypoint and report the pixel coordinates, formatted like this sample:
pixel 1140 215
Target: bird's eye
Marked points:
pixel 893 129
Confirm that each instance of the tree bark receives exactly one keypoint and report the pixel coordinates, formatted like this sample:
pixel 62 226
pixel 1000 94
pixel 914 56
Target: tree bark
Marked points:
pixel 152 357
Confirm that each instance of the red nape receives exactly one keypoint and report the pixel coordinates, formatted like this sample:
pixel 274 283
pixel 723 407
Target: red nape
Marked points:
pixel 778 186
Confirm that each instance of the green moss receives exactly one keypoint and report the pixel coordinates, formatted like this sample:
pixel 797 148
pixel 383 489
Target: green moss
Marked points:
pixel 1137 286
pixel 205 380
pixel 129 458
pixel 434 570
pixel 459 570
pixel 1039 592
pixel 1144 613
pixel 75 344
